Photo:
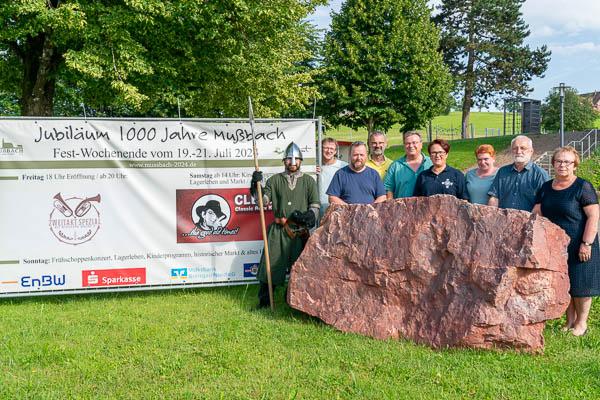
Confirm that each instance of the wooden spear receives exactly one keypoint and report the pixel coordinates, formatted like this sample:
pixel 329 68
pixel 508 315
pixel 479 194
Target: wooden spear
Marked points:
pixel 260 206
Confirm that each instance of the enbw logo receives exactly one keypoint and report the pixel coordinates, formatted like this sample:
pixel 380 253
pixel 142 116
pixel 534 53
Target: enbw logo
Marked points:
pixel 44 280
pixel 250 270
pixel 179 274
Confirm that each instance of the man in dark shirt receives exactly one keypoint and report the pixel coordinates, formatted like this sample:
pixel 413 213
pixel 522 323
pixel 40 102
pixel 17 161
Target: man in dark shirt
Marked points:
pixel 516 184
pixel 356 183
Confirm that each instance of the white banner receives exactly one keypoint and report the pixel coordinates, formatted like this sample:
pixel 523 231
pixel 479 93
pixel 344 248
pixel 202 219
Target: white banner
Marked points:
pixel 100 204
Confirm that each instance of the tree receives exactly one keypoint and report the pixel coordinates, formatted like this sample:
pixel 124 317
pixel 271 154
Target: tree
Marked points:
pixel 579 112
pixel 141 56
pixel 381 66
pixel 482 41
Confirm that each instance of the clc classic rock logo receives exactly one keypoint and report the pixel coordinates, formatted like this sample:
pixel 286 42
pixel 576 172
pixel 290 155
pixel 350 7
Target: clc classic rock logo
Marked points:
pixel 74 220
pixel 211 214
pixel 217 215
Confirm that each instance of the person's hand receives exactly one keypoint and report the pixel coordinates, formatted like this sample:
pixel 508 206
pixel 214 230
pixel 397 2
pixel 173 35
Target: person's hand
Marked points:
pixel 318 170
pixel 585 252
pixel 257 176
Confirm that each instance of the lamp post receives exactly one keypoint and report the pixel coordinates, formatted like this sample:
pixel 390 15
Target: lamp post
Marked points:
pixel 561 92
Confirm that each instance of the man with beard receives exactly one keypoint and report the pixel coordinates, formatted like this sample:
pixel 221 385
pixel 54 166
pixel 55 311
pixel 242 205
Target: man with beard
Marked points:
pixel 402 175
pixel 295 201
pixel 377 159
pixel 356 183
pixel 331 164
pixel 516 184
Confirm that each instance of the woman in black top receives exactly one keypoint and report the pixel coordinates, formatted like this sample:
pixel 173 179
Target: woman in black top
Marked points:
pixel 571 203
pixel 440 178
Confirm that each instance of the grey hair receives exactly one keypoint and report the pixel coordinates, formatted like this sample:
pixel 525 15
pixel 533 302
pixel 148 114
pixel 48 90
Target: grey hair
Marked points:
pixel 512 142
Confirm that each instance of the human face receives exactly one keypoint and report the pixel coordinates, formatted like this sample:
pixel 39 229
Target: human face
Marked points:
pixel 564 164
pixel 413 146
pixel 209 217
pixel 377 145
pixel 328 150
pixel 485 162
pixel 438 156
pixel 358 157
pixel 522 151
pixel 289 167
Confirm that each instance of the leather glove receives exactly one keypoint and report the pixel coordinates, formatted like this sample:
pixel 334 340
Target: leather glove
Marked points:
pixel 309 219
pixel 257 176
pixel 296 217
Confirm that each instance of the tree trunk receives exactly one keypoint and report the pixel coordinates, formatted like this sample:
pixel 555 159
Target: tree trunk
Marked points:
pixel 40 63
pixel 469 89
pixel 370 125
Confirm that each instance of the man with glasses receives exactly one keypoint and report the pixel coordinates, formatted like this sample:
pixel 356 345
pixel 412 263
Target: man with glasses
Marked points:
pixel 402 174
pixel 516 184
pixel 356 183
pixel 377 159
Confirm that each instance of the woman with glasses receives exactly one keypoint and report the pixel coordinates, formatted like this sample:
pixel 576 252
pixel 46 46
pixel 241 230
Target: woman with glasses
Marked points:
pixel 479 180
pixel 440 178
pixel 571 203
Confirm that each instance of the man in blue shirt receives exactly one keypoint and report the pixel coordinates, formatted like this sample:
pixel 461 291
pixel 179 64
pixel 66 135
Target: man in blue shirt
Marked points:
pixel 516 184
pixel 356 183
pixel 402 174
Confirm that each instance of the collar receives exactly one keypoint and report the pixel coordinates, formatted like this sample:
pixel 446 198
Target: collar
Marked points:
pixel 441 172
pixel 404 160
pixel 528 166
pixel 385 159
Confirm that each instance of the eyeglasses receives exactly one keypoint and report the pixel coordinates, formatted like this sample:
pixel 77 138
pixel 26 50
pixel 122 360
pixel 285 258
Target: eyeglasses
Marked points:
pixel 438 153
pixel 564 162
pixel 408 144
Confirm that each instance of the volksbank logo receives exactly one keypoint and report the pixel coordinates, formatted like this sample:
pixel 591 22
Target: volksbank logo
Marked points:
pixel 179 274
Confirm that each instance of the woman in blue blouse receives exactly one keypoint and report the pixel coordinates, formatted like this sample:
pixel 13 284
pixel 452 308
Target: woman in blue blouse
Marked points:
pixel 480 179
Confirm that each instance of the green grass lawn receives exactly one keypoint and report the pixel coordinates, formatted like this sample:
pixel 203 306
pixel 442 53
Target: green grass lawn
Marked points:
pixel 207 343
pixel 446 126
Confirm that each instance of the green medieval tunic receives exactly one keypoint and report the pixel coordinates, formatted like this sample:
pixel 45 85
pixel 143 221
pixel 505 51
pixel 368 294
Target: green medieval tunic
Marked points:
pixel 288 192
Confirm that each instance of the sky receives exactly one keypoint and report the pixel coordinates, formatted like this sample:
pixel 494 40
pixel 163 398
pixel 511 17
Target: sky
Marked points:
pixel 570 29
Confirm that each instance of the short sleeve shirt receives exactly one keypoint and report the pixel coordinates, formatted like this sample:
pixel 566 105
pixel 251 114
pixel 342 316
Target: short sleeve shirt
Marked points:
pixel 401 178
pixel 517 189
pixel 450 181
pixel 381 168
pixel 327 173
pixel 356 187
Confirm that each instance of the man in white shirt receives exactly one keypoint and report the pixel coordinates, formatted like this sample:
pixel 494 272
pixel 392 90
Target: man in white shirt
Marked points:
pixel 329 152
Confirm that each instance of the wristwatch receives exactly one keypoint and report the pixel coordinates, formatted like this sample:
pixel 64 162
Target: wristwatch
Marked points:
pixel 586 243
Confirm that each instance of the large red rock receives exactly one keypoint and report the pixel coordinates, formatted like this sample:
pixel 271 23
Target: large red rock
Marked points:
pixel 436 270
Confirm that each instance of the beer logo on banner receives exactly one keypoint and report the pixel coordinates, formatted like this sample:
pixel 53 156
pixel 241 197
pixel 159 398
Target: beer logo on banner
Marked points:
pixel 10 149
pixel 74 220
pixel 211 214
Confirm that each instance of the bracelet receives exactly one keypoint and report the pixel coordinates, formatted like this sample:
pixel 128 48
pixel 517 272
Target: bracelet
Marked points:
pixel 583 242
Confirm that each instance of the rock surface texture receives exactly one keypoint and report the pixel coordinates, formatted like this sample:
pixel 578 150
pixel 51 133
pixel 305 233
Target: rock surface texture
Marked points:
pixel 437 270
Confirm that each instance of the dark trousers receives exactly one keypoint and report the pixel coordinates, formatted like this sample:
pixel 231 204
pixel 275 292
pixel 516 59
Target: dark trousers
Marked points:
pixel 263 295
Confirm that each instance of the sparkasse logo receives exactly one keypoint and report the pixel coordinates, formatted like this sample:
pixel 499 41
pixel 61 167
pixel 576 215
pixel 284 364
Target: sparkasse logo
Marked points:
pixel 113 277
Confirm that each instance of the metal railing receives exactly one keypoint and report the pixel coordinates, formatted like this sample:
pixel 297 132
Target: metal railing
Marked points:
pixel 585 146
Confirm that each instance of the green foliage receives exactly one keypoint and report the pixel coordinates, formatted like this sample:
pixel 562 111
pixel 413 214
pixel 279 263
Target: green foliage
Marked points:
pixel 207 344
pixel 381 66
pixel 140 57
pixel 589 169
pixel 579 112
pixel 483 44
